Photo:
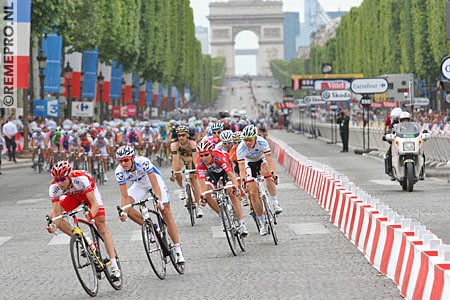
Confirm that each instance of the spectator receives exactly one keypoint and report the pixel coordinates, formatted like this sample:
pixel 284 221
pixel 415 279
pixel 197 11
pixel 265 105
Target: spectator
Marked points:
pixel 344 122
pixel 9 132
pixel 2 146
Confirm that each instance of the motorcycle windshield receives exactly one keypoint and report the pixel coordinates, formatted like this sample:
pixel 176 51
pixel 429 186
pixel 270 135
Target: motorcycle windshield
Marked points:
pixel 408 130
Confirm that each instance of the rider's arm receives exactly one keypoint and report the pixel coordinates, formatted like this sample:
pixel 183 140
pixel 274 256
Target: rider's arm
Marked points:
pixel 93 204
pixel 271 163
pixel 194 151
pixel 155 184
pixel 124 194
pixel 175 158
pixel 242 174
pixel 233 179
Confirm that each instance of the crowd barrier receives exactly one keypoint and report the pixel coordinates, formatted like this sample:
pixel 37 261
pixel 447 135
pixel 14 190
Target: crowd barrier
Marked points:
pixel 437 148
pixel 404 250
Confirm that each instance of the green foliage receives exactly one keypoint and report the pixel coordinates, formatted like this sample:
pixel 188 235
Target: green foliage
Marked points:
pixel 380 37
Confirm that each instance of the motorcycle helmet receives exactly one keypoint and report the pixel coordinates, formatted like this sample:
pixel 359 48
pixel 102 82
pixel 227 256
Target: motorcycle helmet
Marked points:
pixel 395 113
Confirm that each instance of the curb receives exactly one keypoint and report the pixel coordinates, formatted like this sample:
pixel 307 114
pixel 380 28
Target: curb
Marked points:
pixel 21 163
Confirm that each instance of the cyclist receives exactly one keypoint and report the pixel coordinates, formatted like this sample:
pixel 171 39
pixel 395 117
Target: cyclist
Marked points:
pixel 144 175
pixel 184 152
pixel 101 146
pixel 212 165
pixel 85 142
pixel 65 144
pixel 215 129
pixel 254 157
pixel 147 138
pixel 37 140
pixel 67 191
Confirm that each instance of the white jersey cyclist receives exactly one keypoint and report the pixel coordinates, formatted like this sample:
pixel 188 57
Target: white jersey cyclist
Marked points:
pixel 100 143
pixel 255 153
pixel 139 178
pixel 38 139
pixel 147 134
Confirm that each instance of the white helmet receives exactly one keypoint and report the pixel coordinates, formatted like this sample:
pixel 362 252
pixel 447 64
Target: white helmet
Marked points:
pixel 226 136
pixel 404 115
pixel 395 113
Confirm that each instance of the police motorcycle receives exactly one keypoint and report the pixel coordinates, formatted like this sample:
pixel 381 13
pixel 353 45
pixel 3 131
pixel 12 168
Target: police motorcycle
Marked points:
pixel 408 159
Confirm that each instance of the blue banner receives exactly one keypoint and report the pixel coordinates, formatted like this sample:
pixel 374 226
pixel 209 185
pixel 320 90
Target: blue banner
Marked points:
pixel 52 47
pixel 24 11
pixel 149 95
pixel 116 80
pixel 46 108
pixel 90 61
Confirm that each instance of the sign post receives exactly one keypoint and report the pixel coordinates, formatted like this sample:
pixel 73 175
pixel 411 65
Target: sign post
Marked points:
pixel 367 87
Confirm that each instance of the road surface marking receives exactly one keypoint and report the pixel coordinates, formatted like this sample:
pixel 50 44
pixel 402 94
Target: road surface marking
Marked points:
pixel 4 239
pixel 308 228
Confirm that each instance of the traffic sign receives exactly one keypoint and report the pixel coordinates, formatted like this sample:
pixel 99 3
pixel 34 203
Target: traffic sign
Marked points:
pixel 447 98
pixel 445 67
pixel 365 101
pixel 369 86
pixel 338 95
pixel 421 101
pixel 314 100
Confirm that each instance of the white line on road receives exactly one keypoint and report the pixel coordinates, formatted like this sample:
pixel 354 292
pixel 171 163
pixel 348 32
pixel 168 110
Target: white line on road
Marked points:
pixel 29 201
pixel 60 239
pixel 136 235
pixel 308 228
pixel 384 182
pixel 217 232
pixel 4 239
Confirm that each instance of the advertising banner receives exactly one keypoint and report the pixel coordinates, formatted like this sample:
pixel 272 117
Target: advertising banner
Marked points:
pixel 82 109
pixel 46 108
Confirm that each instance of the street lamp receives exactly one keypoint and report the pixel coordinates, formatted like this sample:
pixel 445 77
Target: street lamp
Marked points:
pixel 42 61
pixel 123 92
pixel 101 81
pixel 133 97
pixel 68 76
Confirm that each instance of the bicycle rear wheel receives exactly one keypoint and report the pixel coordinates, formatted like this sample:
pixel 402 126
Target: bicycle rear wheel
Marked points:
pixel 84 266
pixel 116 283
pixel 271 219
pixel 237 224
pixel 153 250
pixel 190 204
pixel 228 228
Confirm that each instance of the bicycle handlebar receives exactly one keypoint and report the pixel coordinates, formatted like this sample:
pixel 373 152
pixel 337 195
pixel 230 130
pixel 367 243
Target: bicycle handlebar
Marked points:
pixel 218 189
pixel 120 210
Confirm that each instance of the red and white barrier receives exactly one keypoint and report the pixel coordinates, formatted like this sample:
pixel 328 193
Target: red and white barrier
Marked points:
pixel 403 250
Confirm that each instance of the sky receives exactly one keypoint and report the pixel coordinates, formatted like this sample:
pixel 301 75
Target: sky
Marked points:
pixel 201 10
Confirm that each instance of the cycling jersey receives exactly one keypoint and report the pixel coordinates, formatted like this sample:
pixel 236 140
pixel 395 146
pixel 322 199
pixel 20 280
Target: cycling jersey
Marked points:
pixel 139 178
pixel 86 144
pixel 81 184
pixel 220 164
pixel 255 153
pixel 38 139
pixel 65 142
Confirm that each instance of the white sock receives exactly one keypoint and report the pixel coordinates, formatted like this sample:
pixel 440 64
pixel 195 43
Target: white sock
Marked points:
pixel 113 263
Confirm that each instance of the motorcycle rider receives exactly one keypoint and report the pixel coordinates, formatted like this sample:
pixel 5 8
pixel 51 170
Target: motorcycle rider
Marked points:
pixel 395 119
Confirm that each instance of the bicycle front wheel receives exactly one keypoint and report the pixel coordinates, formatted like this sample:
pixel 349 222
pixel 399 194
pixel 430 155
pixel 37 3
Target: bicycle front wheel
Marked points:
pixel 270 219
pixel 84 266
pixel 153 250
pixel 228 228
pixel 190 203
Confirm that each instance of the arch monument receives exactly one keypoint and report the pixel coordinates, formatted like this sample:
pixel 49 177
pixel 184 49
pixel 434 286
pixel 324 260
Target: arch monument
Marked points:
pixel 264 18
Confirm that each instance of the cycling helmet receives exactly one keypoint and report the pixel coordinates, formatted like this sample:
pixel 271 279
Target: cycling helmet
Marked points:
pixel 125 151
pixel 182 129
pixel 404 115
pixel 37 129
pixel 249 131
pixel 226 136
pixel 204 146
pixel 61 169
pixel 216 126
pixel 66 133
pixel 75 127
pixel 237 136
pixel 101 134
pixel 395 113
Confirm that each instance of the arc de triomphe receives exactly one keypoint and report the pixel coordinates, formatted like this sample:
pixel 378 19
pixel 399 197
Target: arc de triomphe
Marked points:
pixel 264 18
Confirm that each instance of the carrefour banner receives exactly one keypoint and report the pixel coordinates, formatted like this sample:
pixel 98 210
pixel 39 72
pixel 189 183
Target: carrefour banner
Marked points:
pixel 82 109
pixel 46 108
pixel 52 46
pixel 90 60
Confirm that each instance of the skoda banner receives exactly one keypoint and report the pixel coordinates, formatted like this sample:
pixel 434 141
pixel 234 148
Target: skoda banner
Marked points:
pixel 46 108
pixel 82 109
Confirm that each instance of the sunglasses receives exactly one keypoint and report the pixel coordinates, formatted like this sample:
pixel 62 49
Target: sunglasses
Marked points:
pixel 124 160
pixel 204 155
pixel 227 143
pixel 181 135
pixel 248 140
pixel 60 179
pixel 217 132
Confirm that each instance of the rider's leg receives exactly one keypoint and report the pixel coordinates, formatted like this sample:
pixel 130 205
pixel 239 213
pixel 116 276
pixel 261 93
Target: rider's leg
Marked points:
pixel 104 232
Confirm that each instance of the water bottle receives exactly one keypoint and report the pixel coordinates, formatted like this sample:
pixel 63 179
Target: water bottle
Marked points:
pixel 157 230
pixel 92 245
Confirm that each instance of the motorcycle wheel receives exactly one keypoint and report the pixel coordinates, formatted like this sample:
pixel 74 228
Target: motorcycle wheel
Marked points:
pixel 409 170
